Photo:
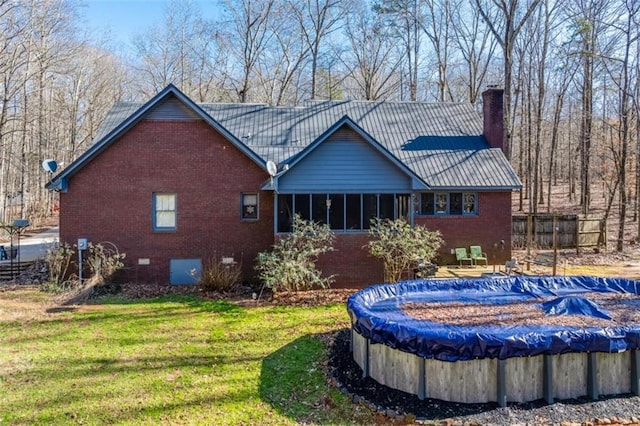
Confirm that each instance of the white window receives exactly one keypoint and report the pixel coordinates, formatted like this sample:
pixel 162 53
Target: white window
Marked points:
pixel 448 203
pixel 164 212
pixel 249 206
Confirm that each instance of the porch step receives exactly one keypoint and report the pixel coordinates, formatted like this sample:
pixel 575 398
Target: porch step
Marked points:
pixel 6 273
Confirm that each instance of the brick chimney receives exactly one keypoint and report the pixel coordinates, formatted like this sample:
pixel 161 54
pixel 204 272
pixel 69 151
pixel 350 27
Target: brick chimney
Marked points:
pixel 493 115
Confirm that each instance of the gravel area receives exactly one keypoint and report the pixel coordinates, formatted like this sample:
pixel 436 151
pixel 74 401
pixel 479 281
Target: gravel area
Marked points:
pixel 403 408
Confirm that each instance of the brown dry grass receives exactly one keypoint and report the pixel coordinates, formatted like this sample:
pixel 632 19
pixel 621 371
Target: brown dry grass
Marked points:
pixel 26 303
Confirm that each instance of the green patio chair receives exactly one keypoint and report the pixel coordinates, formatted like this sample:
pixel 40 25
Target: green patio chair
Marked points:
pixel 478 255
pixel 461 256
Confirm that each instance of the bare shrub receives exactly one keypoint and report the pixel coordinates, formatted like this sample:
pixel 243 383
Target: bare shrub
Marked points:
pixel 104 259
pixel 218 275
pixel 58 260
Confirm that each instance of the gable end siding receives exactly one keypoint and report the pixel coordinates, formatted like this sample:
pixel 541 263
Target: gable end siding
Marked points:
pixel 345 163
pixel 171 109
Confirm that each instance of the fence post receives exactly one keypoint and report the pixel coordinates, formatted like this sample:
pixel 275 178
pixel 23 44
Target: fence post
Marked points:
pixel 529 231
pixel 578 234
pixel 555 243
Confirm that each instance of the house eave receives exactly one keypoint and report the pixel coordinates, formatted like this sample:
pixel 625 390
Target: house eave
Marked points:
pixel 508 188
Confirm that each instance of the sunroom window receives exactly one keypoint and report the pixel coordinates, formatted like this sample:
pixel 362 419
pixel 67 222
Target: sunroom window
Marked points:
pixel 343 212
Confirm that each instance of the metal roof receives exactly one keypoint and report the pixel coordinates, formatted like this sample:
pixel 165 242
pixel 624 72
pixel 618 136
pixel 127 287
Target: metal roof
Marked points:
pixel 442 143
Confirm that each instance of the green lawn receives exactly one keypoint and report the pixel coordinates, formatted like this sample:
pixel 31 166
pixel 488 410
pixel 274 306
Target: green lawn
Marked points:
pixel 173 360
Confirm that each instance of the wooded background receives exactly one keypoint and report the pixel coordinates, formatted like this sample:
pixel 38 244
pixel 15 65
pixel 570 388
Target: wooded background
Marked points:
pixel 569 69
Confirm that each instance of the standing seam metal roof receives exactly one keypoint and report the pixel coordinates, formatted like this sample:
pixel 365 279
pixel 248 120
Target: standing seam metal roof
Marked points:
pixel 440 142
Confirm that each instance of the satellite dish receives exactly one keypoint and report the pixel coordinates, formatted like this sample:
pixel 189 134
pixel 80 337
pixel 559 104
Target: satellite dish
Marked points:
pixel 272 168
pixel 50 166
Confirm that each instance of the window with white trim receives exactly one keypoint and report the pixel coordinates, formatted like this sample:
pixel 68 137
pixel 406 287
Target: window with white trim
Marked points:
pixel 447 204
pixel 164 212
pixel 249 206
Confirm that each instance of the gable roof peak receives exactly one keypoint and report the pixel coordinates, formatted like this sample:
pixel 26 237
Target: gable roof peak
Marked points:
pixel 59 182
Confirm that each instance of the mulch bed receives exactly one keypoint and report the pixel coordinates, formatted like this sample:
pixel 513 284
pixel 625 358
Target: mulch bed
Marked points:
pixel 245 296
pixel 403 408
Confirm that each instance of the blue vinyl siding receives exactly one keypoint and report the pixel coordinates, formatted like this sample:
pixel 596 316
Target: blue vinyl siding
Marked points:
pixel 345 163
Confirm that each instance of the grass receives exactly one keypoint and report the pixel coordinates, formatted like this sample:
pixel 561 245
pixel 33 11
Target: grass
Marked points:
pixel 172 360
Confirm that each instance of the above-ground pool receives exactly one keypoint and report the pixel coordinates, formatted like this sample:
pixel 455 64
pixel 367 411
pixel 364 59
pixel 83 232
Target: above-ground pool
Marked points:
pixel 502 339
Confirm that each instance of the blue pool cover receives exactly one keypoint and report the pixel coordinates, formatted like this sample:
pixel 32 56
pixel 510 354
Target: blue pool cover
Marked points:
pixel 376 314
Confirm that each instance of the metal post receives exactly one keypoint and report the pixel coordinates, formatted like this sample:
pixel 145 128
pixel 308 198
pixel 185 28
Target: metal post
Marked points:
pixel 82 245
pixel 502 383
pixel 80 265
pixel 365 367
pixel 592 376
pixel 635 371
pixel 422 381
pixel 11 251
pixel 548 379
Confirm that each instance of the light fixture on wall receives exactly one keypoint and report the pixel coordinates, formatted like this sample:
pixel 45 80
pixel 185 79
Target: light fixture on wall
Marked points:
pixel 328 203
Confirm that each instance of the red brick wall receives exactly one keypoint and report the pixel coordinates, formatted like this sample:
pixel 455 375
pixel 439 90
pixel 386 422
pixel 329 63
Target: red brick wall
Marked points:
pixel 487 229
pixel 351 261
pixel 110 199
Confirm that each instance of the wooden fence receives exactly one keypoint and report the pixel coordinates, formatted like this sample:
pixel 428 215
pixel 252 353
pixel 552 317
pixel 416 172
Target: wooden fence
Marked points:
pixel 571 231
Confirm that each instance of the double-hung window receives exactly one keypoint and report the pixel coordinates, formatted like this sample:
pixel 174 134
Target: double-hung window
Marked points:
pixel 249 206
pixel 448 204
pixel 164 212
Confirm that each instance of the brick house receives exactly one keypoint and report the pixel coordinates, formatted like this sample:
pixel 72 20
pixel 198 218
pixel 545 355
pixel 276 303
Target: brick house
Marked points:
pixel 172 183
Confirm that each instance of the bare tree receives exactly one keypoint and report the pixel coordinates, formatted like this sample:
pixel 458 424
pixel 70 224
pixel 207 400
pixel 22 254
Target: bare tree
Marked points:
pixel 372 62
pixel 249 33
pixel 563 80
pixel 280 66
pixel 587 18
pixel 436 24
pixel 505 25
pixel 181 49
pixel 474 45
pixel 541 62
pixel 630 35
pixel 317 19
pixel 14 25
pixel 404 17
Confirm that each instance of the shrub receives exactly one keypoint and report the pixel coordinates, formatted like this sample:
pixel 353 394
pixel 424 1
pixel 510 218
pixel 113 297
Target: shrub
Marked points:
pixel 104 259
pixel 399 245
pixel 58 260
pixel 290 266
pixel 220 276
